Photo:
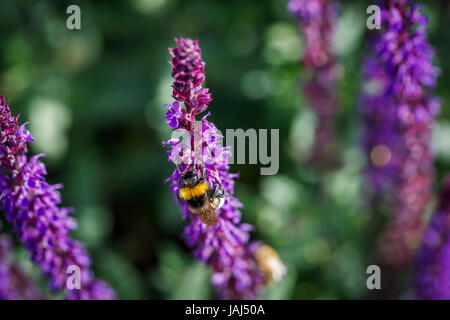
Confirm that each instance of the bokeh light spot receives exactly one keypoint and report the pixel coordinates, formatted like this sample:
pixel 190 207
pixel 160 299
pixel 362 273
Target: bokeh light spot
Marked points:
pixel 380 155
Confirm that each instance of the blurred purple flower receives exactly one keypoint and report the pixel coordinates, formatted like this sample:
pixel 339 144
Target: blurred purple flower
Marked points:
pixel 225 247
pixel 14 283
pixel 432 279
pixel 32 207
pixel 317 19
pixel 399 115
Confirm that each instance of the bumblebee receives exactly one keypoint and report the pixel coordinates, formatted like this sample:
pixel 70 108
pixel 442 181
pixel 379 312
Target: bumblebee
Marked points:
pixel 269 263
pixel 202 199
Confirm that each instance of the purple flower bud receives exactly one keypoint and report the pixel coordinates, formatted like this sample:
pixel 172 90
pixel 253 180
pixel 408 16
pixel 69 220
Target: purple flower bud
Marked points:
pixel 188 72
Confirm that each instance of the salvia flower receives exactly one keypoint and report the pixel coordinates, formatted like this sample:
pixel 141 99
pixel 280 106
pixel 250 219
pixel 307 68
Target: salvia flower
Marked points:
pixel 14 283
pixel 317 19
pixel 224 247
pixel 432 279
pixel 32 207
pixel 399 114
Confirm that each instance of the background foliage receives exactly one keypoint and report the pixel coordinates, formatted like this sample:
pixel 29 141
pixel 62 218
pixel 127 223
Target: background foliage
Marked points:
pixel 95 97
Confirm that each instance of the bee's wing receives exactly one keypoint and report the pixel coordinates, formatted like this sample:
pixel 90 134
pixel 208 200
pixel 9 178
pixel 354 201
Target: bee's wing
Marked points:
pixel 208 216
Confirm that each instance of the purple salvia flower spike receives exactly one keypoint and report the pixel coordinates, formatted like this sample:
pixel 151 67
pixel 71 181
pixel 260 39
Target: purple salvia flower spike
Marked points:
pixel 238 272
pixel 399 115
pixel 317 20
pixel 32 207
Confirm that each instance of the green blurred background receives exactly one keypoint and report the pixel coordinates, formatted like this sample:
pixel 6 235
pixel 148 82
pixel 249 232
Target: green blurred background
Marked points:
pixel 95 97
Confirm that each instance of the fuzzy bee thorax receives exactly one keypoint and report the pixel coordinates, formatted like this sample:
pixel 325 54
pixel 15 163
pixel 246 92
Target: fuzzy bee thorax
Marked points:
pixel 188 193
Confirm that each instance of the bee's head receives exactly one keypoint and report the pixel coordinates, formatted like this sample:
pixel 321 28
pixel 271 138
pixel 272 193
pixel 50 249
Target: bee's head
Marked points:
pixel 189 179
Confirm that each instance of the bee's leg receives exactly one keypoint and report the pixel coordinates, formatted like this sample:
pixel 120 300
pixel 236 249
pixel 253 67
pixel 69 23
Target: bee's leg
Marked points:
pixel 217 192
pixel 217 197
pixel 220 192
pixel 212 192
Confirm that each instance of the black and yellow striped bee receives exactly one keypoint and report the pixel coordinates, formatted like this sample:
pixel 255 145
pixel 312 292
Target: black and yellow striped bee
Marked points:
pixel 202 199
